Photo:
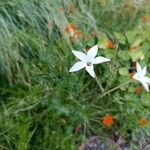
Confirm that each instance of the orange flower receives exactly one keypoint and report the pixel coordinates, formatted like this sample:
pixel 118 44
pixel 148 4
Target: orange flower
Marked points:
pixel 145 18
pixel 110 45
pixel 143 122
pixel 73 32
pixel 77 34
pixel 108 120
pixel 138 90
pixel 70 28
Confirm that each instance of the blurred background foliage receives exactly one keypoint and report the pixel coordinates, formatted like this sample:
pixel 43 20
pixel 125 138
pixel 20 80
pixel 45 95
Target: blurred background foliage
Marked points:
pixel 42 106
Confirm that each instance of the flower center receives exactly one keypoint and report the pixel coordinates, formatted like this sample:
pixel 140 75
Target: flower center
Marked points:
pixel 89 63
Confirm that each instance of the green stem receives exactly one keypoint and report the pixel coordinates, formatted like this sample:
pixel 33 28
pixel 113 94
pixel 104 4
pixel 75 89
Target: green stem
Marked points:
pixel 99 84
pixel 117 87
pixel 115 55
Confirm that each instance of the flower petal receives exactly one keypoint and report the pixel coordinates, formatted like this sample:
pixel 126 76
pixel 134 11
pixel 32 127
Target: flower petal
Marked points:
pixel 146 79
pixel 92 52
pixel 146 86
pixel 143 71
pixel 77 66
pixel 136 77
pixel 138 67
pixel 80 55
pixel 100 59
pixel 90 70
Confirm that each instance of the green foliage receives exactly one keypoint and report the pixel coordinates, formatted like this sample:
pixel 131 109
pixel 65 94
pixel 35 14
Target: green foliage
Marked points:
pixel 42 106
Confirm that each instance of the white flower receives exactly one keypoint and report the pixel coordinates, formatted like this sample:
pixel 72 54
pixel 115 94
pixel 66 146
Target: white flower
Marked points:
pixel 88 60
pixel 140 76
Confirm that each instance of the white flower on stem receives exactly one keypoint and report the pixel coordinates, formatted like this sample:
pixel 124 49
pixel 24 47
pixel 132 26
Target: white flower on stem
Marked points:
pixel 88 60
pixel 140 76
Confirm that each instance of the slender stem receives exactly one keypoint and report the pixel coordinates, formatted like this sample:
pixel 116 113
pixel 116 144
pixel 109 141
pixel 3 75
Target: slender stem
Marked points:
pixel 117 87
pixel 99 84
pixel 115 55
pixel 84 132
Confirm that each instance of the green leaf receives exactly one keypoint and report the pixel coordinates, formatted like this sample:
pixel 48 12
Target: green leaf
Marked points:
pixel 145 46
pixel 123 71
pixel 131 35
pixel 124 55
pixel 91 42
pixel 137 42
pixel 102 41
pixel 146 99
pixel 120 37
pixel 108 53
pixel 135 55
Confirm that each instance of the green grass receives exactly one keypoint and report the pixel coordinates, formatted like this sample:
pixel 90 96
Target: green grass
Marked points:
pixel 41 103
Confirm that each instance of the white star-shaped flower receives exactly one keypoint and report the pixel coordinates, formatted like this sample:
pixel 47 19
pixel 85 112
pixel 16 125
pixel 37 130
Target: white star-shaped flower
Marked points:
pixel 88 60
pixel 140 76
